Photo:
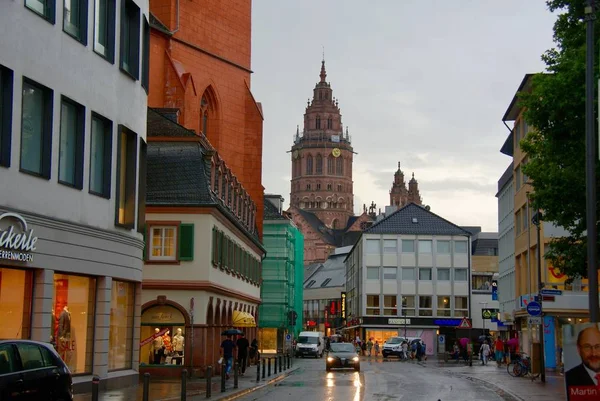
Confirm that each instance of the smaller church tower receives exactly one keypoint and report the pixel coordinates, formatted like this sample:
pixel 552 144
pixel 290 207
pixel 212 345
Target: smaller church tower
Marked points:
pixel 399 195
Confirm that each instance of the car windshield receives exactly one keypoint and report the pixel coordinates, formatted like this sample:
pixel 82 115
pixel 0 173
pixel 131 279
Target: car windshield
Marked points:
pixel 342 347
pixel 394 340
pixel 308 340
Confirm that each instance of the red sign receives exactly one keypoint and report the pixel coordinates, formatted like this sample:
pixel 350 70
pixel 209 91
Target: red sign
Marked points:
pixel 311 323
pixel 152 337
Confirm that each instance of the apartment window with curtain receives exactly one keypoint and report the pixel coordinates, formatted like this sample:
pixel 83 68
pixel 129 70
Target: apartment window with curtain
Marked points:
pixel 126 177
pixel 390 246
pixel 443 305
pixel 461 306
pixel 75 14
pixel 425 305
pixel 425 274
pixel 44 8
pixel 390 307
pixel 36 129
pixel 130 38
pixel 373 305
pixel 390 273
pixel 408 305
pixel 71 143
pixel 6 108
pixel 100 156
pixel 104 28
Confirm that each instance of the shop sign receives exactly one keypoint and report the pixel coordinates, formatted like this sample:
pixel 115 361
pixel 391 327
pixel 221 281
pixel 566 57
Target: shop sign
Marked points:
pixel 16 241
pixel 398 321
pixel 343 305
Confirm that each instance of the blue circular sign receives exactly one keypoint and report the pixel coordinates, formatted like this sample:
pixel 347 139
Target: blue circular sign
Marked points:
pixel 534 309
pixel 288 337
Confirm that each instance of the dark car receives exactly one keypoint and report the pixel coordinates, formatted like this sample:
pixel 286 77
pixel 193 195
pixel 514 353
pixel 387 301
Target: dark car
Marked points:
pixel 342 356
pixel 32 371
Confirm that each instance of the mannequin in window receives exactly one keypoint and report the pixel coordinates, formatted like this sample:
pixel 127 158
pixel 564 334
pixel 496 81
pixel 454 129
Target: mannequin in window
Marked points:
pixel 167 346
pixel 178 344
pixel 157 347
pixel 64 324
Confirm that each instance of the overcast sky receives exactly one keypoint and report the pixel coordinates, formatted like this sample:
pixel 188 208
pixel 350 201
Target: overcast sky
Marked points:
pixel 422 82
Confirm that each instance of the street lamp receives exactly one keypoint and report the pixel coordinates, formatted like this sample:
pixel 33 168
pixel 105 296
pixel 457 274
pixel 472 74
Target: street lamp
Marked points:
pixel 536 219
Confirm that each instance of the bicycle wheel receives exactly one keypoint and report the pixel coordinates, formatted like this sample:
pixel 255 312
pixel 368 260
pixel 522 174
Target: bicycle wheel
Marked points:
pixel 514 369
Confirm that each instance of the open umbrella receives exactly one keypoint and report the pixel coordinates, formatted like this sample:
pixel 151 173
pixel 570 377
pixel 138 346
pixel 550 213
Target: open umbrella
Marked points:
pixel 513 342
pixel 464 341
pixel 231 332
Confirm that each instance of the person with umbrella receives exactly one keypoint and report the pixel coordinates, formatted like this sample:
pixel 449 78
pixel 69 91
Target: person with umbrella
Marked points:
pixel 227 349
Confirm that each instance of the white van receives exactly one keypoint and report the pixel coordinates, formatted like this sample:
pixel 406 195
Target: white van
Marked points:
pixel 310 343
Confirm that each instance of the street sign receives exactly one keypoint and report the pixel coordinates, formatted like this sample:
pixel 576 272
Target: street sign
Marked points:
pixel 441 343
pixel 465 323
pixel 489 313
pixel 534 309
pixel 442 338
pixel 551 292
pixel 288 337
pixel 534 320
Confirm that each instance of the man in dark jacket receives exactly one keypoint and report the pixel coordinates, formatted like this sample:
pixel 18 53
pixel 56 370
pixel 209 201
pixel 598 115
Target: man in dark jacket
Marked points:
pixel 242 346
pixel 588 372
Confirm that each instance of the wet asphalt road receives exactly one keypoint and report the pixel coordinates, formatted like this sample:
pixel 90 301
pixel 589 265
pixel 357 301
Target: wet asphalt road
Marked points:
pixel 378 381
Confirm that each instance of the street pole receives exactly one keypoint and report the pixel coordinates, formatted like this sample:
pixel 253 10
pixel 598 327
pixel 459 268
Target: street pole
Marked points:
pixel 537 220
pixel 590 164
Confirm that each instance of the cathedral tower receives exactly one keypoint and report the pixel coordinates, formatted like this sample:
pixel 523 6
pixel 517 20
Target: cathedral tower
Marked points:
pixel 322 160
pixel 399 195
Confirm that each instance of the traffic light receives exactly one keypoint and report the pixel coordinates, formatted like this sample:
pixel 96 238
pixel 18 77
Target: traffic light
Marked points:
pixel 292 316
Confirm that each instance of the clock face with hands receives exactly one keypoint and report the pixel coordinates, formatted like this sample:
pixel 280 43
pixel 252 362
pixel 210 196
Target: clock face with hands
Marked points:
pixel 336 152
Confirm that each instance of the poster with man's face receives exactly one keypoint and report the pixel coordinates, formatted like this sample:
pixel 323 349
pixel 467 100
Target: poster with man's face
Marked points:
pixel 581 348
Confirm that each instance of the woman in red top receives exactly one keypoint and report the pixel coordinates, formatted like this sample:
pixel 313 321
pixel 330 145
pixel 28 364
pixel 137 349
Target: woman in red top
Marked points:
pixel 499 348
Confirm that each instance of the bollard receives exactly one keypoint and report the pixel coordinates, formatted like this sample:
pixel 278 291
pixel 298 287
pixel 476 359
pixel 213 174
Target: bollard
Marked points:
pixel 263 368
pixel 146 388
pixel 223 369
pixel 258 370
pixel 275 368
pixel 95 385
pixel 235 374
pixel 289 361
pixel 184 385
pixel 208 381
pixel 284 361
pixel 269 367
pixel 280 363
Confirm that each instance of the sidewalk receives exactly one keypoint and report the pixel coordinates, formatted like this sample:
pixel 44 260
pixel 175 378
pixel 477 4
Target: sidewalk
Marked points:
pixel 170 389
pixel 521 388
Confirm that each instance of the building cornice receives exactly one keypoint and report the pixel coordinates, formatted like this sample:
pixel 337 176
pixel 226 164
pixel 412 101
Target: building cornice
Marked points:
pixel 199 285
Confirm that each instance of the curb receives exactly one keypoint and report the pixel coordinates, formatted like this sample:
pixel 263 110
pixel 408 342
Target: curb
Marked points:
pixel 503 392
pixel 247 391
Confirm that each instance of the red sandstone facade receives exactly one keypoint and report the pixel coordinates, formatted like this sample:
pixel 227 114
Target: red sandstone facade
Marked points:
pixel 399 195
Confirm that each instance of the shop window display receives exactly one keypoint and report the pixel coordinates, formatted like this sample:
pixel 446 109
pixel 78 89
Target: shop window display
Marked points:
pixel 162 336
pixel 121 325
pixel 15 303
pixel 73 321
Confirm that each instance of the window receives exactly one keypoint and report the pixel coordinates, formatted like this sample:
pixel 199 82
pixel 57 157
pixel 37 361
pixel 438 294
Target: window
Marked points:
pixel 443 305
pixel 425 308
pixel 389 305
pixel 390 246
pixel 425 274
pixel 70 148
pixel 120 340
pixel 408 246
pixel 408 273
pixel 518 221
pixel 104 28
pixel 310 283
pixel 518 178
pixel 390 273
pixel 460 275
pixel 75 14
pixel 48 358
pixel 443 247
pixel 318 187
pixel 325 282
pixel 126 177
pixel 339 166
pixel 100 156
pixel 309 165
pixel 319 167
pixel 31 356
pixel 481 283
pixel 330 165
pixel 6 101
pixel 15 303
pixel 461 306
pixel 145 54
pixel 45 8
pixel 443 274
pixel 373 246
pixel 372 273
pixel 318 119
pixel 329 187
pixel 460 246
pixel 36 129
pixel 425 246
pixel 525 218
pixel 408 305
pixel 373 305
pixel 130 38
pixel 163 242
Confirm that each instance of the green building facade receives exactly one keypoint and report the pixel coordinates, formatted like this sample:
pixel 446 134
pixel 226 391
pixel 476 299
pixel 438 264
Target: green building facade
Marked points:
pixel 282 278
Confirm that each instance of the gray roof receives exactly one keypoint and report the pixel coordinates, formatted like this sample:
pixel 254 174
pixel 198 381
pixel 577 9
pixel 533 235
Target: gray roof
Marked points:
pixel 413 219
pixel 506 177
pixel 336 237
pixel 271 212
pixel 331 273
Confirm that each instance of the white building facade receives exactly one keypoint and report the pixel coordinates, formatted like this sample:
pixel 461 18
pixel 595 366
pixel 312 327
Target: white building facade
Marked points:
pixel 409 275
pixel 72 143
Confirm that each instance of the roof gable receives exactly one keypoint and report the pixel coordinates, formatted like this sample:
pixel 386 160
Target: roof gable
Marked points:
pixel 415 220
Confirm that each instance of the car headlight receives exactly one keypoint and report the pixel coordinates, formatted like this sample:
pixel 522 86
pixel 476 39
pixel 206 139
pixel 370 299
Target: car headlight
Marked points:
pixel 329 359
pixel 355 359
pixel 395 348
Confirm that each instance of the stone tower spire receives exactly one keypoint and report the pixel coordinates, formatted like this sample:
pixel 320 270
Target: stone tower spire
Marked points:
pixel 322 160
pixel 398 193
pixel 413 191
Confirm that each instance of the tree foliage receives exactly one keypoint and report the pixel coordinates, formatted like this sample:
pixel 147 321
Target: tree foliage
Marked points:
pixel 555 106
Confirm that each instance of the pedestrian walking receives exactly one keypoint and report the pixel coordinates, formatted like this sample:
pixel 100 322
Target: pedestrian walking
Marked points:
pixel 499 351
pixel 227 348
pixel 369 346
pixel 484 352
pixel 242 354
pixel 404 347
pixel 376 348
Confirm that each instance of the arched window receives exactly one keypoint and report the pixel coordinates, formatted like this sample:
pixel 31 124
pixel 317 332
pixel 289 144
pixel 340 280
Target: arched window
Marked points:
pixel 204 115
pixel 340 166
pixel 309 165
pixel 334 224
pixel 318 122
pixel 330 165
pixel 319 169
pixel 329 123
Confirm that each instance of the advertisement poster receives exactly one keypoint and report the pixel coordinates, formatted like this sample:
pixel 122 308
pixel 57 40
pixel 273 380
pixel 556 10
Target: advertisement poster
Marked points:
pixel 582 361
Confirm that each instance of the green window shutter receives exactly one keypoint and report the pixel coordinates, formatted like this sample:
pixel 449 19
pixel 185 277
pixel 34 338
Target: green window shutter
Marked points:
pixel 186 242
pixel 215 248
pixel 220 249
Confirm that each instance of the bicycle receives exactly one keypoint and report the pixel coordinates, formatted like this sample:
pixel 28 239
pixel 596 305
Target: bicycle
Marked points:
pixel 521 366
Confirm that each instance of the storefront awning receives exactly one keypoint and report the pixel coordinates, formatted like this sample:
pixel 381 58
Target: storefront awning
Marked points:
pixel 243 319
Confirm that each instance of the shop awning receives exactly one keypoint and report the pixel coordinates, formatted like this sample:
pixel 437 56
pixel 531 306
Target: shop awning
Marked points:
pixel 243 319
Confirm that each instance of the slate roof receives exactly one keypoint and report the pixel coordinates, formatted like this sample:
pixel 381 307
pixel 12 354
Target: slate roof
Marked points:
pixel 160 126
pixel 481 246
pixel 318 226
pixel 333 269
pixel 427 223
pixel 271 212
